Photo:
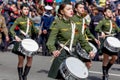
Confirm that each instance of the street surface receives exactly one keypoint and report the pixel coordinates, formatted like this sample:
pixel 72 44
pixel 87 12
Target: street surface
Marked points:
pixel 41 65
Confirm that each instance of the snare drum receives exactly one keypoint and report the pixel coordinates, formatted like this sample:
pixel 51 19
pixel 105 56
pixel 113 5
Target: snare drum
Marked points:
pixel 28 47
pixel 73 69
pixel 83 55
pixel 112 44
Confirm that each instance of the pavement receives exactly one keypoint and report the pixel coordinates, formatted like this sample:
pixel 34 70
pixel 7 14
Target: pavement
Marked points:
pixel 41 65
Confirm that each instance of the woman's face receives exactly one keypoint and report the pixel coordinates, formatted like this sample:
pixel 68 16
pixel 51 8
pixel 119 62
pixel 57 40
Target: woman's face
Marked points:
pixel 108 13
pixel 25 11
pixel 118 6
pixel 80 9
pixel 67 11
pixel 13 7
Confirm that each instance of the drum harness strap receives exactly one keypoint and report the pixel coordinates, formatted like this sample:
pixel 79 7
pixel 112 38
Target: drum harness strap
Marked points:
pixel 110 27
pixel 83 21
pixel 71 42
pixel 83 29
pixel 26 33
pixel 110 30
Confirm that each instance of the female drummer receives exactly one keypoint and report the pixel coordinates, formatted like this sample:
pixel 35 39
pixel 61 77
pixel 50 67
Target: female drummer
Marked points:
pixel 61 31
pixel 22 23
pixel 78 18
pixel 105 27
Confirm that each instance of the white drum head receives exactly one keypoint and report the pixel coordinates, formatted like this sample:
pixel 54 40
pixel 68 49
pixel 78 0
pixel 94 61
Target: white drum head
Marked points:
pixel 29 45
pixel 94 48
pixel 77 67
pixel 114 42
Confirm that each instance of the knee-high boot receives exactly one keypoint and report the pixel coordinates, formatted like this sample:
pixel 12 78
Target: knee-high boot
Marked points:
pixel 105 75
pixel 108 67
pixel 26 71
pixel 20 72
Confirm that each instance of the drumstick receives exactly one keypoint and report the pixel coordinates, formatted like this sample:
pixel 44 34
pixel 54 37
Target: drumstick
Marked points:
pixel 60 50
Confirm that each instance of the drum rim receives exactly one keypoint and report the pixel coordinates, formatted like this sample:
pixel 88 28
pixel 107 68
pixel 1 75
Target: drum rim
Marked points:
pixel 106 43
pixel 112 38
pixel 73 73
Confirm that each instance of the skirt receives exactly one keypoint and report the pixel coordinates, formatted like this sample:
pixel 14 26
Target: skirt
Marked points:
pixel 15 49
pixel 106 51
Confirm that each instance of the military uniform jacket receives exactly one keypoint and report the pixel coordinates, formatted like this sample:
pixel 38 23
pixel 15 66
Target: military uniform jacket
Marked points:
pixel 21 22
pixel 61 30
pixel 3 27
pixel 104 26
pixel 79 21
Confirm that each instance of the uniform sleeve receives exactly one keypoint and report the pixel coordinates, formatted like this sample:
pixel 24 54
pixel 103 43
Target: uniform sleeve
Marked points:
pixel 98 28
pixel 89 34
pixel 52 38
pixel 84 43
pixel 5 30
pixel 13 28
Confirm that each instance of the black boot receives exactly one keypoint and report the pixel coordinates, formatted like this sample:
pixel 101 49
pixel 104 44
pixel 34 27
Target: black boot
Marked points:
pixel 108 67
pixel 105 77
pixel 105 73
pixel 20 72
pixel 104 68
pixel 26 71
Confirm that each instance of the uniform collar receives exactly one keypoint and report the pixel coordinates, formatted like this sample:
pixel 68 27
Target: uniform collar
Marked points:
pixel 79 16
pixel 107 18
pixel 24 16
pixel 66 20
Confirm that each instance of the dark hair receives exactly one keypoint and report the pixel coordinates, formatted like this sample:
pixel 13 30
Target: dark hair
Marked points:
pixel 76 5
pixel 106 9
pixel 24 5
pixel 62 6
pixel 13 3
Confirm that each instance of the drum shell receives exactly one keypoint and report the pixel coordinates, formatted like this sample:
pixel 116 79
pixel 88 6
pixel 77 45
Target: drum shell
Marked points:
pixel 110 48
pixel 25 52
pixel 20 50
pixel 68 75
pixel 106 51
pixel 28 47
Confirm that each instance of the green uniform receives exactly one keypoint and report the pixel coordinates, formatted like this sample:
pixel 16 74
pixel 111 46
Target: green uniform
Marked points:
pixel 104 26
pixel 61 31
pixel 3 27
pixel 79 21
pixel 21 22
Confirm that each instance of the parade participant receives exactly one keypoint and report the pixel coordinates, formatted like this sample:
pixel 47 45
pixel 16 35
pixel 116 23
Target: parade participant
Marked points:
pixel 3 28
pixel 105 27
pixel 61 31
pixel 22 23
pixel 46 21
pixel 80 20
